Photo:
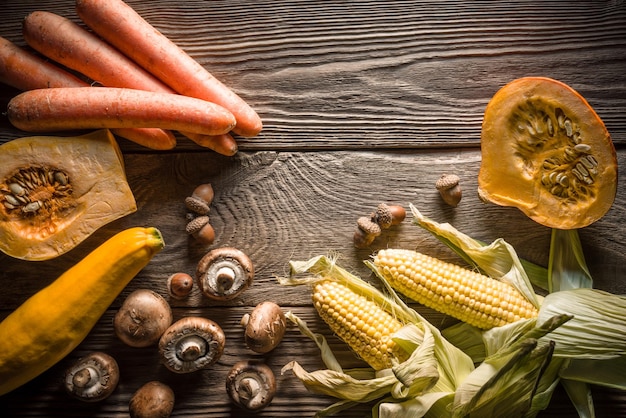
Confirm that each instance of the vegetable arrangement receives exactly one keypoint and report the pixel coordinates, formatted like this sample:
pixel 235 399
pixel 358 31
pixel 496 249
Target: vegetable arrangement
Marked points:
pixel 151 84
pixel 505 356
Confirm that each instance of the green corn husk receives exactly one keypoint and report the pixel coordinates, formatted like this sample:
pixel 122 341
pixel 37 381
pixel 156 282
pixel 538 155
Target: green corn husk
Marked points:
pixel 598 329
pixel 567 268
pixel 589 349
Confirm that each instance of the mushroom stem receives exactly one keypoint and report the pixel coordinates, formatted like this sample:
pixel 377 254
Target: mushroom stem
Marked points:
pixel 92 378
pixel 249 387
pixel 191 348
pixel 223 273
pixel 85 377
pixel 225 278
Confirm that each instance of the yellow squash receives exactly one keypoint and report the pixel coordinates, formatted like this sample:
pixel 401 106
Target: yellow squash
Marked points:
pixel 51 323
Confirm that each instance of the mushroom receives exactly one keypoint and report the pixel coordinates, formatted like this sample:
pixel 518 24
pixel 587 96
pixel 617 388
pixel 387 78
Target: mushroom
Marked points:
pixel 179 285
pixel 190 344
pixel 223 273
pixel 251 385
pixel 152 400
pixel 92 378
pixel 264 327
pixel 142 318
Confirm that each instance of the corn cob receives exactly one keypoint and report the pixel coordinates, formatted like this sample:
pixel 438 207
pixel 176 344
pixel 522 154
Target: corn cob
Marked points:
pixel 453 290
pixel 361 323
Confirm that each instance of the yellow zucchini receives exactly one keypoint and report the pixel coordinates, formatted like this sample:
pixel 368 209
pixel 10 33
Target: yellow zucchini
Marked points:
pixel 52 322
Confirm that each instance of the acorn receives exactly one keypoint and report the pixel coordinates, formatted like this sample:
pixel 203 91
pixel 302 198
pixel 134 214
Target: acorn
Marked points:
pixel 449 189
pixel 197 205
pixel 389 215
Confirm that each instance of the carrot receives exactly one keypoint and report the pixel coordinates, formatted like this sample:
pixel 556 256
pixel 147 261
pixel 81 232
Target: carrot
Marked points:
pixel 25 71
pixel 111 107
pixel 69 44
pixel 65 42
pixel 124 28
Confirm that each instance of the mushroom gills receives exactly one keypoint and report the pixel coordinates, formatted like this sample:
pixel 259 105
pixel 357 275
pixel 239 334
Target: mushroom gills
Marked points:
pixel 190 344
pixel 93 377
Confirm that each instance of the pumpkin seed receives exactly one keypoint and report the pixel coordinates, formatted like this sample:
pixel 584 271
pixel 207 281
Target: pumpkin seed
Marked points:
pixel 32 188
pixel 16 189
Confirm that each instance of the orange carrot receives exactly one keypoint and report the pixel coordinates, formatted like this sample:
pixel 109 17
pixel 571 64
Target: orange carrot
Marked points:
pixel 76 48
pixel 124 28
pixel 111 107
pixel 65 42
pixel 25 71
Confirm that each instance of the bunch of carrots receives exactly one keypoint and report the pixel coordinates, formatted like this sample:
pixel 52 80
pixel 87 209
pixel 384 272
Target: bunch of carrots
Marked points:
pixel 147 86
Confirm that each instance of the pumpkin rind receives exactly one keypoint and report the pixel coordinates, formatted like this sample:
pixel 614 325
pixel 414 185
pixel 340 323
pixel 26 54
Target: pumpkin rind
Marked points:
pixel 545 151
pixel 56 191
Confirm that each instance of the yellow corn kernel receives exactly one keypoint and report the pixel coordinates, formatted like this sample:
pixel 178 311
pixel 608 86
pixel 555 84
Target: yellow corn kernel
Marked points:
pixel 453 290
pixel 364 325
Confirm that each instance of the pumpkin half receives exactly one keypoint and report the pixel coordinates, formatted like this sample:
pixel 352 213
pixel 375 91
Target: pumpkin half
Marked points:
pixel 56 191
pixel 545 151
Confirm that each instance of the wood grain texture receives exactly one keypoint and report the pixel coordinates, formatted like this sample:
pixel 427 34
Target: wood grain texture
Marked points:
pixel 362 102
pixel 397 74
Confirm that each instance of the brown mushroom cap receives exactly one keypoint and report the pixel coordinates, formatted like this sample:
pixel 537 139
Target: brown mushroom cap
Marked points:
pixel 142 318
pixel 251 385
pixel 223 273
pixel 190 344
pixel 152 400
pixel 92 378
pixel 264 327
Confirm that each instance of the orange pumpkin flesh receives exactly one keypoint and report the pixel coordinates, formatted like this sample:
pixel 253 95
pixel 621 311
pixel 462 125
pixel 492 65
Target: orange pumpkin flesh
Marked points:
pixel 56 191
pixel 545 151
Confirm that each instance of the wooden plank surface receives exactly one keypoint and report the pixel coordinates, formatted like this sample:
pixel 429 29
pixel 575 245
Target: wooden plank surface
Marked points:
pixel 362 102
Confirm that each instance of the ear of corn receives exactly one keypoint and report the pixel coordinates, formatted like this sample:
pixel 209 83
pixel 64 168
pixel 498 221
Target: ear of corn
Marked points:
pixel 360 322
pixel 453 290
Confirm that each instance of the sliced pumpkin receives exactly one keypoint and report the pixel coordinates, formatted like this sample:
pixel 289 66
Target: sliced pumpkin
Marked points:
pixel 545 151
pixel 56 191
